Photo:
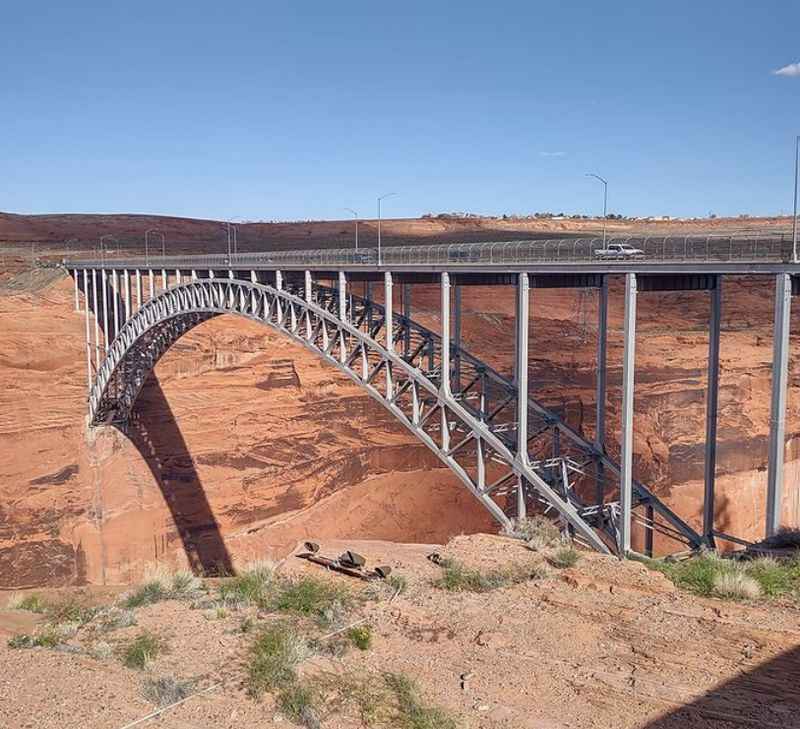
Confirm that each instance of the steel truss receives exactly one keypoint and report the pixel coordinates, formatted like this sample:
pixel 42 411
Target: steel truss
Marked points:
pixel 471 428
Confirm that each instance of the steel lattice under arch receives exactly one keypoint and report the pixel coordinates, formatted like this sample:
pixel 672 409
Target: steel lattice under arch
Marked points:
pixel 474 428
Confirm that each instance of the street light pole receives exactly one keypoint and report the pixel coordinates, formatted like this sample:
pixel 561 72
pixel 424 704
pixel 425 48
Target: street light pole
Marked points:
pixel 355 215
pixel 605 202
pixel 382 197
pixel 794 218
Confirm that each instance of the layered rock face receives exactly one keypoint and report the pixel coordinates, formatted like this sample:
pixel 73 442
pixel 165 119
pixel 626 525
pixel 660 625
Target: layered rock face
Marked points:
pixel 244 443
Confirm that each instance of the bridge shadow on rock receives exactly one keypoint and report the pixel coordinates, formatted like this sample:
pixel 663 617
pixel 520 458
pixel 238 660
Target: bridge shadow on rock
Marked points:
pixel 765 696
pixel 157 437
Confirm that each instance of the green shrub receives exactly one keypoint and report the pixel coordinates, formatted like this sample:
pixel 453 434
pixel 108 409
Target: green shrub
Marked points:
pixel 458 578
pixel 312 597
pixel 774 577
pixel 360 636
pixel 145 648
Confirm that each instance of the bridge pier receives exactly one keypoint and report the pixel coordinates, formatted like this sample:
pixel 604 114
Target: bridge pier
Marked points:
pixel 115 294
pixel 457 337
pixel 152 284
pixel 75 275
pixel 138 289
pixel 88 325
pixel 712 398
pixel 521 369
pixel 601 380
pixel 407 315
pixel 127 289
pixel 777 433
pixel 628 366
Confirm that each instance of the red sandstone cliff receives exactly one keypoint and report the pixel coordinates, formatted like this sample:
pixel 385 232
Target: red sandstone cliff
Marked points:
pixel 246 443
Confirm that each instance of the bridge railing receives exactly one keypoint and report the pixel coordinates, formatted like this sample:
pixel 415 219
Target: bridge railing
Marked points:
pixel 559 250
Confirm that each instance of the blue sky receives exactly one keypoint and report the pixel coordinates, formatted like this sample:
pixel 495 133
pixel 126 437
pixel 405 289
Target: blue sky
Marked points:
pixel 295 110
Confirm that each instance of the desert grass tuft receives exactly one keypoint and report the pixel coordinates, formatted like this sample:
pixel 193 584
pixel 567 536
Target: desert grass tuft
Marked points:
pixel 711 575
pixel 33 603
pixel 538 532
pixel 412 712
pixel 298 701
pixel 563 557
pixel 736 584
pixel 251 586
pixel 166 690
pixel 146 594
pixel 144 649
pixel 312 597
pixel 49 637
pixel 273 656
pixel 456 577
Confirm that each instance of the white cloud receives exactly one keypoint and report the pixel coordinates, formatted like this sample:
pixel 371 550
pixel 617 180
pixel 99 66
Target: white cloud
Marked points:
pixel 553 154
pixel 793 69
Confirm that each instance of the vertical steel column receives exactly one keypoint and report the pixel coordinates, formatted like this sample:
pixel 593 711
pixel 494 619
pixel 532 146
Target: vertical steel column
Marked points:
pixel 777 430
pixel 104 280
pixel 178 276
pixel 115 292
pixel 389 326
pixel 193 274
pixel 601 382
pixel 164 279
pixel 308 294
pixel 342 296
pixel 521 375
pixel 342 310
pixel 712 399
pixel 457 338
pixel 127 288
pixel 407 316
pixel 139 294
pixel 626 465
pixel 368 298
pixel 88 327
pixel 444 386
pixel 96 320
pixel 75 276
pixel 445 314
pixel 279 280
pixel 152 284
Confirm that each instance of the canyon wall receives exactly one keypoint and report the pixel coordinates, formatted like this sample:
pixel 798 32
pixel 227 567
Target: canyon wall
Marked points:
pixel 244 443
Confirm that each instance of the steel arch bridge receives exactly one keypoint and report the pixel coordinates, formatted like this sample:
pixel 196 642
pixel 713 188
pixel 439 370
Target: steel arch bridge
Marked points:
pixel 473 425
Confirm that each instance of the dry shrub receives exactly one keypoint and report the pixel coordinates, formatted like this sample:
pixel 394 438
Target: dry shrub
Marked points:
pixel 736 584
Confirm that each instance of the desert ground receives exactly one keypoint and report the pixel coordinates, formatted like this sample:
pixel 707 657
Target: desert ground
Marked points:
pixel 600 644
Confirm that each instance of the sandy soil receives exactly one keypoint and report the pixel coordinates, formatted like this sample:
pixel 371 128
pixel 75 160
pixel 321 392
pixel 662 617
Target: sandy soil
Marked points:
pixel 602 644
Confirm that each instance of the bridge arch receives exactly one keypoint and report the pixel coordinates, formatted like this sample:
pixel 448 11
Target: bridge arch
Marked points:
pixel 465 441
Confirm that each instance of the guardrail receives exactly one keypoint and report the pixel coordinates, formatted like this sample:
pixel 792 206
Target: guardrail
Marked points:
pixel 579 250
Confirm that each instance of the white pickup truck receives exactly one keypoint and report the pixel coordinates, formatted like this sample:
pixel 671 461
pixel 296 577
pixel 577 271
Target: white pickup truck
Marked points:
pixel 619 251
